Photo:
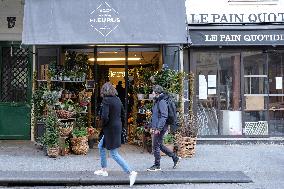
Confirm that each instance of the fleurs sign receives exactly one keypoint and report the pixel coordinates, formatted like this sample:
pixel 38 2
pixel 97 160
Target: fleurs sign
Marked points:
pixel 104 19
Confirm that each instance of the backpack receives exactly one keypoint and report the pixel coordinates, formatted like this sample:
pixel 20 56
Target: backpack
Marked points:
pixel 172 113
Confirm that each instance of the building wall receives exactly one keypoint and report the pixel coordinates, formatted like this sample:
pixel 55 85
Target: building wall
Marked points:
pixel 11 8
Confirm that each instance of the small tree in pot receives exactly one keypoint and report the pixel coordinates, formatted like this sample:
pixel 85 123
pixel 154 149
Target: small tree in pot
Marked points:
pixel 50 139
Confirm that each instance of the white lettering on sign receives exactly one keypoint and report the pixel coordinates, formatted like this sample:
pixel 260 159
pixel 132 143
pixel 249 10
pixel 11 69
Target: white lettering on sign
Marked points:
pixel 104 19
pixel 236 18
pixel 222 11
pixel 251 37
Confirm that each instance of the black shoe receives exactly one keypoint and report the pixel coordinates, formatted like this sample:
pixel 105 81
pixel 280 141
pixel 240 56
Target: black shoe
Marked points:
pixel 154 168
pixel 176 161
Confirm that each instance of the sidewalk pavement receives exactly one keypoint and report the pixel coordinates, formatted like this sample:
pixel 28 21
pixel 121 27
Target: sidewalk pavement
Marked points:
pixel 263 163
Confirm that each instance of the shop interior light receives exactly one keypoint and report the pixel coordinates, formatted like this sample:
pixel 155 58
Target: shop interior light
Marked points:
pixel 111 52
pixel 113 59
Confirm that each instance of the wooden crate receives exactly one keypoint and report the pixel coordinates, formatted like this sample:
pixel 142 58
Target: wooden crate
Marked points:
pixel 43 71
pixel 186 146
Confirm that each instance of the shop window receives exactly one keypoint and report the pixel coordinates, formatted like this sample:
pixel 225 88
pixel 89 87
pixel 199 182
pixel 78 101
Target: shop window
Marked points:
pixel 255 93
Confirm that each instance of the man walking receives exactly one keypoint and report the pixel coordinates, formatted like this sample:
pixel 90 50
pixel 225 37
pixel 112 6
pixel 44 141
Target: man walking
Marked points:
pixel 159 127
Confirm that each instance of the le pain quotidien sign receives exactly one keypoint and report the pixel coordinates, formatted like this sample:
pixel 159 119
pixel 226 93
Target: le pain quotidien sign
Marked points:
pixel 236 37
pixel 204 18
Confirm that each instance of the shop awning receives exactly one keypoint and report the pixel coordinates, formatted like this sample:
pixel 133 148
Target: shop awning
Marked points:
pixel 60 22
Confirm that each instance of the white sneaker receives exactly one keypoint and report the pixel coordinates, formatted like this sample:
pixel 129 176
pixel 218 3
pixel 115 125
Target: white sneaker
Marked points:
pixel 132 177
pixel 101 173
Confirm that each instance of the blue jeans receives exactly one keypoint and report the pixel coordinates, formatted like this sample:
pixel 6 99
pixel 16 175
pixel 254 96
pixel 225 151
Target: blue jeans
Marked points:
pixel 115 155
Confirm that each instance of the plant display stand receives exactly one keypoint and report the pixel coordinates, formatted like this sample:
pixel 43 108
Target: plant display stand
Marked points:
pixel 60 88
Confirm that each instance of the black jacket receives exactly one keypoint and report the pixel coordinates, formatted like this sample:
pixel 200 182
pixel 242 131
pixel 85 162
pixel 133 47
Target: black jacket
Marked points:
pixel 112 114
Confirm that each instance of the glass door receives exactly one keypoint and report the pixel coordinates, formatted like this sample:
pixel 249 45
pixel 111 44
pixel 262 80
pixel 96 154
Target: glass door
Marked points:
pixel 255 90
pixel 230 121
pixel 276 92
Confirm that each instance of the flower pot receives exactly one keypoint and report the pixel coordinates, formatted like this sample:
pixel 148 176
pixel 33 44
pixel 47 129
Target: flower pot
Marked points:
pixel 80 145
pixel 64 114
pixel 53 152
pixel 65 131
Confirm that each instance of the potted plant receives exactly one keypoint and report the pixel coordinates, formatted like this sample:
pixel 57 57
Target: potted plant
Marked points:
pixel 79 141
pixel 51 143
pixel 186 136
pixel 65 128
pixel 66 110
pixel 50 139
pixel 65 150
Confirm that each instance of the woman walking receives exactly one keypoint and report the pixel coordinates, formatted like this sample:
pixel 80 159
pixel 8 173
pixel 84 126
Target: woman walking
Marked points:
pixel 111 114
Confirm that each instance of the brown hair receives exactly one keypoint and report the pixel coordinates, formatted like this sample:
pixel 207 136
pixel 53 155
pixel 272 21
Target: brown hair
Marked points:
pixel 108 90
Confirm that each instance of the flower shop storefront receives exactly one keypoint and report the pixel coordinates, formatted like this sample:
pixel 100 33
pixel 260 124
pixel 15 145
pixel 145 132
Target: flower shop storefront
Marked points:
pixel 76 52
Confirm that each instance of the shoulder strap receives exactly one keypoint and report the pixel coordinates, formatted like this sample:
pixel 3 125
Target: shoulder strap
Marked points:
pixel 158 106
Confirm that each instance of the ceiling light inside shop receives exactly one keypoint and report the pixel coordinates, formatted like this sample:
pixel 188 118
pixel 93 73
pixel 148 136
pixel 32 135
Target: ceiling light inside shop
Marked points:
pixel 113 52
pixel 113 59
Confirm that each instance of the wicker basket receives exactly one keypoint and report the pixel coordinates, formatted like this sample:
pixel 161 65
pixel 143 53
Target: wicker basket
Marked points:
pixel 53 152
pixel 186 146
pixel 65 131
pixel 64 114
pixel 80 145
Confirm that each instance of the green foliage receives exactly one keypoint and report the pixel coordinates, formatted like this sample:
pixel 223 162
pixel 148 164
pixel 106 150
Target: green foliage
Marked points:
pixel 52 68
pixel 149 105
pixel 143 82
pixel 139 130
pixel 79 132
pixel 169 139
pixel 38 102
pixel 81 121
pixel 76 64
pixel 67 105
pixel 51 135
pixel 50 139
pixel 170 80
pixel 50 97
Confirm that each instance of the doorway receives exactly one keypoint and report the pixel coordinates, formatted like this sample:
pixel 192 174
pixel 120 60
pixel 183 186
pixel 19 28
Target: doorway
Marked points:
pixel 116 65
pixel 15 92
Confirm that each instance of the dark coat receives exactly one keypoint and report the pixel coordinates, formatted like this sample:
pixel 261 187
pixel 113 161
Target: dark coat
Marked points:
pixel 112 114
pixel 159 114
